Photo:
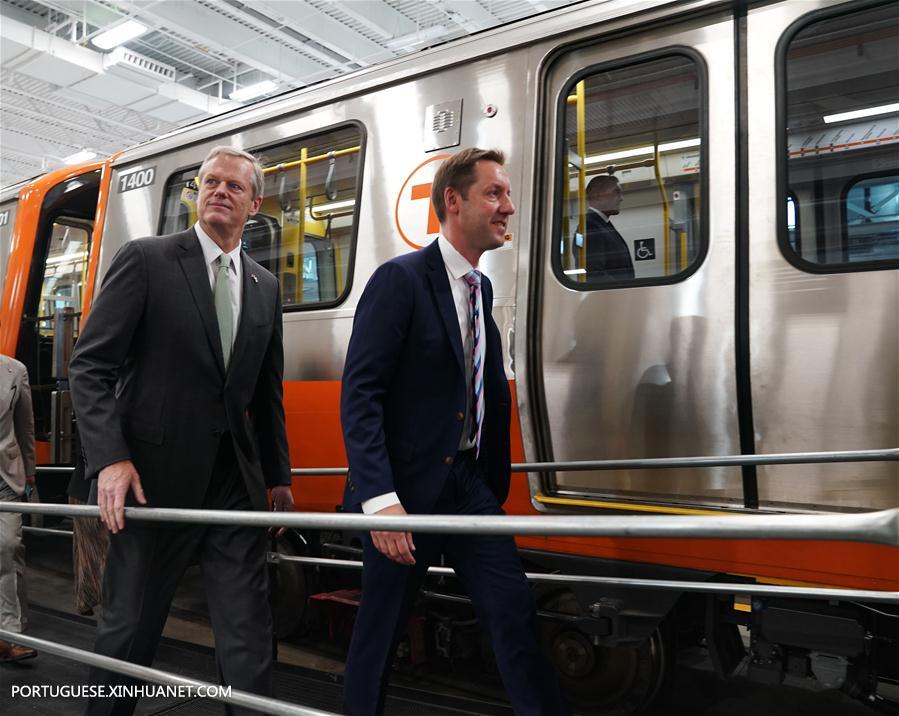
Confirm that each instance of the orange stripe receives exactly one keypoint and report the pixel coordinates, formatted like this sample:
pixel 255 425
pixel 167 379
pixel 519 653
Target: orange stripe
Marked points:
pixel 97 238
pixel 313 424
pixel 830 147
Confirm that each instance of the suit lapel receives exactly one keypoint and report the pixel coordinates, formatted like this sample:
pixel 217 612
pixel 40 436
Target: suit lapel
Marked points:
pixel 443 295
pixel 194 267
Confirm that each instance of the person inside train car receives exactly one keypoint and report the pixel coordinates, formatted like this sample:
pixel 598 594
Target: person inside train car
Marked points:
pixel 16 475
pixel 176 381
pixel 608 256
pixel 425 409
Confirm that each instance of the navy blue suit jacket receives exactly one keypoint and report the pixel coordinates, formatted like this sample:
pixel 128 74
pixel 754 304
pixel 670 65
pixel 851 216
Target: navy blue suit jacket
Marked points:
pixel 404 388
pixel 608 258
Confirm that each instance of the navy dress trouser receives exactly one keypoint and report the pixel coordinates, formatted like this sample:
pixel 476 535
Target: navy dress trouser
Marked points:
pixel 490 568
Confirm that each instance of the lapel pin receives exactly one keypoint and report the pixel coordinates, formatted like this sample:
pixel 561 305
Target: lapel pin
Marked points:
pixel 253 276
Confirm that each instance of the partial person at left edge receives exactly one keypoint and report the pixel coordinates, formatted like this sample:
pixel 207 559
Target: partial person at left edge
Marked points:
pixel 177 383
pixel 16 474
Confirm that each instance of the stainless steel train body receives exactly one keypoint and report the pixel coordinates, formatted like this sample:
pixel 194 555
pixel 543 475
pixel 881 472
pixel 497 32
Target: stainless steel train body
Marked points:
pixel 645 370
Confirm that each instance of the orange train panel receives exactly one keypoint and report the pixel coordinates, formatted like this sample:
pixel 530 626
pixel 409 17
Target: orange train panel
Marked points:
pixel 313 424
pixel 41 452
pixel 97 238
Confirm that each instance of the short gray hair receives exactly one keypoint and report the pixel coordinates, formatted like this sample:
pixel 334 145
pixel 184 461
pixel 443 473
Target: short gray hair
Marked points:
pixel 225 150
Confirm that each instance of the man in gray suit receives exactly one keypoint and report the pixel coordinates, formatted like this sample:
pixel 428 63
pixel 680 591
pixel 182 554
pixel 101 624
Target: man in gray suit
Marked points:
pixel 176 381
pixel 16 470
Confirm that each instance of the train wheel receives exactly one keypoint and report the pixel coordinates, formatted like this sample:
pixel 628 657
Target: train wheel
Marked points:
pixel 612 681
pixel 288 585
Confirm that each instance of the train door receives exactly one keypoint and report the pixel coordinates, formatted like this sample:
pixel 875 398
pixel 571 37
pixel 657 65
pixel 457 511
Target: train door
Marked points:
pixel 631 343
pixel 46 293
pixel 824 246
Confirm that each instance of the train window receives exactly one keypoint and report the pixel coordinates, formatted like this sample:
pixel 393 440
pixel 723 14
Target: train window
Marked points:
pixel 304 232
pixel 840 140
pixel 631 159
pixel 66 267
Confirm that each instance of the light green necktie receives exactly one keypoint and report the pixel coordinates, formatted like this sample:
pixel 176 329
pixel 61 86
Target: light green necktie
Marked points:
pixel 223 310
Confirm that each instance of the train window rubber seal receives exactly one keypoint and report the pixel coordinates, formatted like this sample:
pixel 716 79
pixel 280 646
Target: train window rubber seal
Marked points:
pixel 780 113
pixel 560 156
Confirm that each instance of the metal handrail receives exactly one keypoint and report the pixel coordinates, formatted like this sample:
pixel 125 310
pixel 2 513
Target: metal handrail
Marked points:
pixel 786 458
pixel 880 527
pixel 156 676
pixel 655 463
pixel 48 531
pixel 844 593
pixel 760 590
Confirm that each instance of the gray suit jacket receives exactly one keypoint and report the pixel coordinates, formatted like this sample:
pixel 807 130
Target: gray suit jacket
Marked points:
pixel 16 424
pixel 149 382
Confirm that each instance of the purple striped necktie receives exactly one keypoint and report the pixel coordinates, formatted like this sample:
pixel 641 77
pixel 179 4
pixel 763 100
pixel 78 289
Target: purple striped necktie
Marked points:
pixel 476 306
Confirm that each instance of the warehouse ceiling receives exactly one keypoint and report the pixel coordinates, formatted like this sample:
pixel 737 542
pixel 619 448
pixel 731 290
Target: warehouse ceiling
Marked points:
pixel 62 94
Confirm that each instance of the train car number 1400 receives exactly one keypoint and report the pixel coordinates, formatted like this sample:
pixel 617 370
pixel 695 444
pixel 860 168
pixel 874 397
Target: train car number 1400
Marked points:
pixel 139 179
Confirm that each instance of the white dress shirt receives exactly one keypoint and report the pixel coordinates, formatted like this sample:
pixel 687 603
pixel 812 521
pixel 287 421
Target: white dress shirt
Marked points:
pixel 600 214
pixel 456 268
pixel 211 252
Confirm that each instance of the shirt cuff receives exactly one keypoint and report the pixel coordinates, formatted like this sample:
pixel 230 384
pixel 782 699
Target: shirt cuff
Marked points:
pixel 376 504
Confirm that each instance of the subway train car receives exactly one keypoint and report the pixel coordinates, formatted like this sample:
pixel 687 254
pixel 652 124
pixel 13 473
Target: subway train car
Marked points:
pixel 755 144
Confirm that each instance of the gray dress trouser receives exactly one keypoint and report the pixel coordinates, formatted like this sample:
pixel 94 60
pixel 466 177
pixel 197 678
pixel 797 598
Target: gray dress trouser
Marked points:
pixel 12 566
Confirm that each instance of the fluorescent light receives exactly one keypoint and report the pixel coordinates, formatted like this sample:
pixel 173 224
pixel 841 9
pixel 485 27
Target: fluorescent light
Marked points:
pixel 642 151
pixel 639 151
pixel 859 113
pixel 78 157
pixel 682 144
pixel 575 272
pixel 333 206
pixel 417 38
pixel 252 91
pixel 120 34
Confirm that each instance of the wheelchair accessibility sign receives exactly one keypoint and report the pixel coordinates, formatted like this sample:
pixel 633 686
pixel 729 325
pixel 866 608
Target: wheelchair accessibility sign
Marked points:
pixel 644 249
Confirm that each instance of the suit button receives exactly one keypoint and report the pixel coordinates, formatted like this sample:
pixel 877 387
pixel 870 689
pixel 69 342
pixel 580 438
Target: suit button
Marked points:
pixel 217 431
pixel 352 488
pixel 460 416
pixel 448 460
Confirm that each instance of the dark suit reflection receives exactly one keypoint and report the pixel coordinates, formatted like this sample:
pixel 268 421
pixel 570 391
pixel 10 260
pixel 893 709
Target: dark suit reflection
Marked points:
pixel 608 257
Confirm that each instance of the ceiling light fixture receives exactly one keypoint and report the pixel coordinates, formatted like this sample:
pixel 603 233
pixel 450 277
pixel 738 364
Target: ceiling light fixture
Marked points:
pixel 78 157
pixel 682 144
pixel 333 206
pixel 624 154
pixel 118 35
pixel 859 113
pixel 253 91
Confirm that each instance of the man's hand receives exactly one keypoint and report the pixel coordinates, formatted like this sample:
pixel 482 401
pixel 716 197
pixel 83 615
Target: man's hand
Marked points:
pixel 112 486
pixel 282 501
pixel 397 546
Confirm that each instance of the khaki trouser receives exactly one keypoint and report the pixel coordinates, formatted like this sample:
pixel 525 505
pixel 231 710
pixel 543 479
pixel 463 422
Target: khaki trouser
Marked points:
pixel 12 566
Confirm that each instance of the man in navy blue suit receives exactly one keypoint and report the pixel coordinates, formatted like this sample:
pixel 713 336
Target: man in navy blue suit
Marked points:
pixel 608 257
pixel 425 409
